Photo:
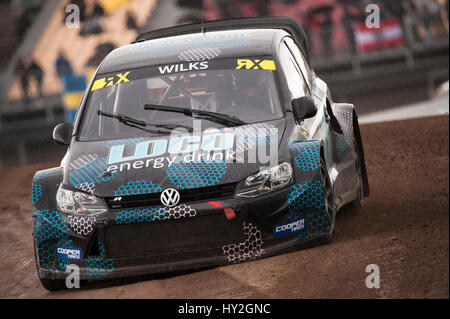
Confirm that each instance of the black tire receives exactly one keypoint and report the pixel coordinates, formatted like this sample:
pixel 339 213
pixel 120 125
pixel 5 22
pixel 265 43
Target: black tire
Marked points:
pixel 359 201
pixel 329 202
pixel 53 284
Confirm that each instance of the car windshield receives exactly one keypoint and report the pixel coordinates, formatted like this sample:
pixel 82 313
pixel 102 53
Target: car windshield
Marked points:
pixel 223 92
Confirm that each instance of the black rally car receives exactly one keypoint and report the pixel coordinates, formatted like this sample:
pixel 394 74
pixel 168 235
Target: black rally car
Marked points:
pixel 197 146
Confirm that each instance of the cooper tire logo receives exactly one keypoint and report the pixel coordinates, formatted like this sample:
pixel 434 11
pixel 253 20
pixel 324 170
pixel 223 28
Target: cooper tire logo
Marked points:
pixel 170 197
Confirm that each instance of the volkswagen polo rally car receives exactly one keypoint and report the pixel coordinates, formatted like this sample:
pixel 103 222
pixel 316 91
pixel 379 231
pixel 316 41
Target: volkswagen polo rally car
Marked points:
pixel 197 146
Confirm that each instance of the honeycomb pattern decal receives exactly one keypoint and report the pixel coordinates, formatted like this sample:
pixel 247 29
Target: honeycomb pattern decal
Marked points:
pixel 47 255
pixel 342 148
pixel 199 54
pixel 101 265
pixel 250 249
pixel 81 225
pixel 36 193
pixel 345 117
pixel 180 211
pixel 49 228
pixel 82 161
pixel 256 134
pixel 141 215
pixel 87 172
pixel 137 188
pixel 87 187
pixel 48 225
pixel 196 174
pixel 308 155
pixel 307 201
pixel 36 188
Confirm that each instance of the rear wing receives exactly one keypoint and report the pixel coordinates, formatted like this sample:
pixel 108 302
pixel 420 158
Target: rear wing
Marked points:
pixel 288 24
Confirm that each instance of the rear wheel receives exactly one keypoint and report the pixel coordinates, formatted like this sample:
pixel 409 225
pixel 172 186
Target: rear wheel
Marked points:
pixel 360 189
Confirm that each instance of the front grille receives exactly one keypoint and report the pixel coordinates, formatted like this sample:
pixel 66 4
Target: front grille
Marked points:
pixel 210 232
pixel 186 196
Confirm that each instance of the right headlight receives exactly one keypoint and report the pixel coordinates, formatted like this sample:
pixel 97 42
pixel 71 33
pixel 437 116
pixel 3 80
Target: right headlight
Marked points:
pixel 72 202
pixel 267 180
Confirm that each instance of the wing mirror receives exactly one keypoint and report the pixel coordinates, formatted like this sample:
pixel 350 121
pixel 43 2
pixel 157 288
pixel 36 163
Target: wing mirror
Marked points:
pixel 62 133
pixel 303 108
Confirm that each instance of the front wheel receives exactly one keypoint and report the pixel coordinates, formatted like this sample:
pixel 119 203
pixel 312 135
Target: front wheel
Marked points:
pixel 329 202
pixel 53 284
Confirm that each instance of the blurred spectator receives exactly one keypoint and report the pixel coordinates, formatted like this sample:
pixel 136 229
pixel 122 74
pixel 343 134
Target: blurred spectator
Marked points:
pixel 437 22
pixel 24 19
pixel 97 11
pixel 62 65
pixel 36 72
pixel 92 24
pixel 320 17
pixel 424 18
pixel 22 73
pixel 352 15
pixel 131 21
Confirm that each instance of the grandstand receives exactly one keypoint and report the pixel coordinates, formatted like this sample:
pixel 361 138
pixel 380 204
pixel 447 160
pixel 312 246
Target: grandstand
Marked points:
pixel 79 49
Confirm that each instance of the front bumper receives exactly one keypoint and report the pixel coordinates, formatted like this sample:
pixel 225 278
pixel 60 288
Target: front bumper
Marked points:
pixel 130 242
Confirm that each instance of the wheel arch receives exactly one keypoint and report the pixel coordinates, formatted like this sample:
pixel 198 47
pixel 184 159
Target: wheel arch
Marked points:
pixel 348 120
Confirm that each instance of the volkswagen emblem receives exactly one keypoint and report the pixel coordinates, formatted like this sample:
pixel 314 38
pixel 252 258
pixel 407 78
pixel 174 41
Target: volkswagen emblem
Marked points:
pixel 170 197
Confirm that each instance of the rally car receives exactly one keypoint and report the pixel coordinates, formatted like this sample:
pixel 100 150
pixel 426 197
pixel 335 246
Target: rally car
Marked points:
pixel 195 146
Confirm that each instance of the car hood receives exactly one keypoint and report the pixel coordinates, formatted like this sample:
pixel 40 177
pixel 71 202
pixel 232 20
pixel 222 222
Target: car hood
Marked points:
pixel 151 164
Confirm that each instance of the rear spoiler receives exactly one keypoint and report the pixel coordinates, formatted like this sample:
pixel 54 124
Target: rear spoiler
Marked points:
pixel 288 24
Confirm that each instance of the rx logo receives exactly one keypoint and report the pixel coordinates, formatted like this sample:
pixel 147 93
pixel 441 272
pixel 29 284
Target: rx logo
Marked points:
pixel 105 82
pixel 170 197
pixel 255 64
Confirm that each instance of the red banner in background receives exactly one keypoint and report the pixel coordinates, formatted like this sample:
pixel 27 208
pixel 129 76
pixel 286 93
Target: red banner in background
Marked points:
pixel 389 35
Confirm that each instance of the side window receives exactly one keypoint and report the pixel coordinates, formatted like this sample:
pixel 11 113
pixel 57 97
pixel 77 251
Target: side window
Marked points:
pixel 296 83
pixel 301 60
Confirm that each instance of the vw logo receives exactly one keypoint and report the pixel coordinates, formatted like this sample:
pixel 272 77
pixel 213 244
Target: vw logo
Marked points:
pixel 170 197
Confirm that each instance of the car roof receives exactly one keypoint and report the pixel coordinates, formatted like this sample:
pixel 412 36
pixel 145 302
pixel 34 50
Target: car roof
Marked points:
pixel 200 41
pixel 191 47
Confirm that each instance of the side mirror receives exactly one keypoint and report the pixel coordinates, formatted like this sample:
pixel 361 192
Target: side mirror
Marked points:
pixel 304 108
pixel 62 133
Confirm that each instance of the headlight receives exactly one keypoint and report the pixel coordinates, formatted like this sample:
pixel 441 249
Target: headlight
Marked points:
pixel 78 203
pixel 266 181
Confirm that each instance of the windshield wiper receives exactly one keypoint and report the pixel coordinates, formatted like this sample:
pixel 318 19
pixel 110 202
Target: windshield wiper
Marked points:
pixel 217 117
pixel 131 120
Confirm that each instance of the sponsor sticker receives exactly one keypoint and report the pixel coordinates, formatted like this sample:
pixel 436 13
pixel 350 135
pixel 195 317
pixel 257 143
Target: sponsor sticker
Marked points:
pixel 289 228
pixel 183 67
pixel 69 253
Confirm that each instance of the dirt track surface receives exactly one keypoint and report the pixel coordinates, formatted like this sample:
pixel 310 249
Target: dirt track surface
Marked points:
pixel 403 228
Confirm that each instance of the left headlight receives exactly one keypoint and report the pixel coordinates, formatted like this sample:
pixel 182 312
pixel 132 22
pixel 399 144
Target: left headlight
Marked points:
pixel 267 180
pixel 72 202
